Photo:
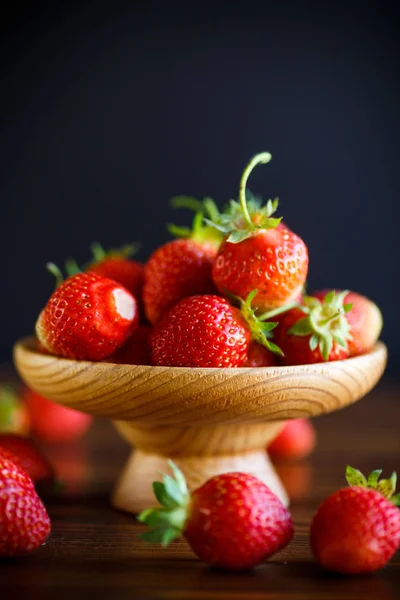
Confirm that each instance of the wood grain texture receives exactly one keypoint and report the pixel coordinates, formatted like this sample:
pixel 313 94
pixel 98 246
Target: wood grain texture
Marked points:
pixel 172 396
pixel 200 452
pixel 95 551
pixel 209 420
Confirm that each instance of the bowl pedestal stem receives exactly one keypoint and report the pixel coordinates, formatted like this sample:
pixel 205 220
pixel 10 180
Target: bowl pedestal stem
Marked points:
pixel 200 452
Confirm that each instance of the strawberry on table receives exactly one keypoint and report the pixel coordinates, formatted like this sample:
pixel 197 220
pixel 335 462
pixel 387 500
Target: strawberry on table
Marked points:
pixel 259 252
pixel 295 441
pixel 207 331
pixel 357 529
pixel 14 416
pixel 233 521
pixel 53 423
pixel 364 318
pixel 88 317
pixel 180 268
pixel 318 331
pixel 24 522
pixel 25 453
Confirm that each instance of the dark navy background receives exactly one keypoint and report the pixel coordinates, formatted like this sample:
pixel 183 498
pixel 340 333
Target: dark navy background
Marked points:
pixel 110 108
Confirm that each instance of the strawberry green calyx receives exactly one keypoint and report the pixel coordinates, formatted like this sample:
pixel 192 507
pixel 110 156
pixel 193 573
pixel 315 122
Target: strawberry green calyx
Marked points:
pixel 99 254
pixel 8 403
pixel 325 322
pixel 199 232
pixel 56 271
pixel 167 522
pixel 386 487
pixel 260 325
pixel 245 217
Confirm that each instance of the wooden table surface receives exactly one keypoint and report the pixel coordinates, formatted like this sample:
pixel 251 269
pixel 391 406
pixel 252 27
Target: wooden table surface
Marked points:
pixel 94 551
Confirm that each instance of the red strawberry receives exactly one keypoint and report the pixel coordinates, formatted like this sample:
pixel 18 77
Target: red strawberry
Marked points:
pixel 295 441
pixel 259 356
pixel 136 351
pixel 24 522
pixel 14 417
pixel 116 265
pixel 259 252
pixel 52 422
pixel 357 529
pixel 180 268
pixel 25 453
pixel 233 521
pixel 88 317
pixel 365 320
pixel 318 331
pixel 206 331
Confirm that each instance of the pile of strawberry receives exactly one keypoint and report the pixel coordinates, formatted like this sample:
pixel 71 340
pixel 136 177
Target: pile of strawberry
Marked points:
pixel 228 293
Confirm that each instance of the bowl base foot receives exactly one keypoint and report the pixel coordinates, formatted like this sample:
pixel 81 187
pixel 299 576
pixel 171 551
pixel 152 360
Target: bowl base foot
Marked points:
pixel 134 493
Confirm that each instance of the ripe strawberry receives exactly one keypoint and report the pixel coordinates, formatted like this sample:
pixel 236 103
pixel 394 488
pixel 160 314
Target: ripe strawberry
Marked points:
pixel 357 529
pixel 117 265
pixel 259 252
pixel 365 320
pixel 233 521
pixel 295 441
pixel 88 317
pixel 206 331
pixel 24 452
pixel 14 417
pixel 24 522
pixel 260 356
pixel 315 332
pixel 136 351
pixel 180 268
pixel 52 422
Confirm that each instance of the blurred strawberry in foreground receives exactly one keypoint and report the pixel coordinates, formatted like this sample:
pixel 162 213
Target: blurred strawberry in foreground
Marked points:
pixel 233 521
pixel 180 268
pixel 259 252
pixel 14 416
pixel 24 522
pixel 25 453
pixel 364 318
pixel 295 441
pixel 357 529
pixel 52 422
pixel 136 351
pixel 118 265
pixel 88 317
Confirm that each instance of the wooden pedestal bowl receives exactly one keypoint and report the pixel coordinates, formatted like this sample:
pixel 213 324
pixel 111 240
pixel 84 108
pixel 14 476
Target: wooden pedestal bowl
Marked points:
pixel 208 421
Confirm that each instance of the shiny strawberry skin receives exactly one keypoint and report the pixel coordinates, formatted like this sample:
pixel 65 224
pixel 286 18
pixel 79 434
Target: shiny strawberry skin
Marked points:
pixel 356 530
pixel 24 522
pixel 53 423
pixel 128 273
pixel 365 321
pixel 26 454
pixel 296 348
pixel 273 261
pixel 235 522
pixel 136 351
pixel 294 442
pixel 82 320
pixel 176 270
pixel 259 356
pixel 201 331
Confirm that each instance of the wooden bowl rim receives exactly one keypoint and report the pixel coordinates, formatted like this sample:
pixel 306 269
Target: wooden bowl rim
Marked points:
pixel 28 345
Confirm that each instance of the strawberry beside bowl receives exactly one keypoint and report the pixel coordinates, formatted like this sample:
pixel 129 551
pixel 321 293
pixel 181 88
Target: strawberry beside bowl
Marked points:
pixel 209 421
